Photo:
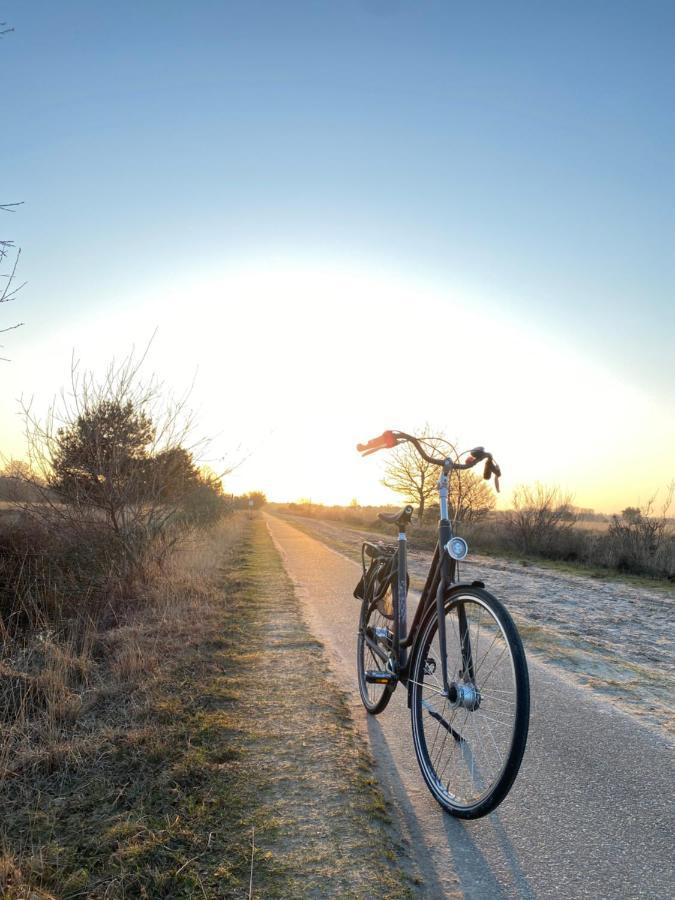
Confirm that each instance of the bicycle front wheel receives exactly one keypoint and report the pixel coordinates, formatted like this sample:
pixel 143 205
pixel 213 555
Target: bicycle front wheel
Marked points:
pixel 470 741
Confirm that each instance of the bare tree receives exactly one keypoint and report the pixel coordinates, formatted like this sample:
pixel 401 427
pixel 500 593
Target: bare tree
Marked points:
pixel 417 480
pixel 412 477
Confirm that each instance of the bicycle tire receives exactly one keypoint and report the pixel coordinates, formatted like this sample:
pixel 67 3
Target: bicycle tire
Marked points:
pixel 375 697
pixel 468 779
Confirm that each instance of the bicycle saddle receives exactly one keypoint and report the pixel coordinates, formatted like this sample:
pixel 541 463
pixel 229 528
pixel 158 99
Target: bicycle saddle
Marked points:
pixel 399 518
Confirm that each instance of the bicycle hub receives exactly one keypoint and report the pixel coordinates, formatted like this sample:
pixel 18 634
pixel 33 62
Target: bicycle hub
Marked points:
pixel 466 696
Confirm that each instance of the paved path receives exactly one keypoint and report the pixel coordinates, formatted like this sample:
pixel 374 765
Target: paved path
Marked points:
pixel 590 814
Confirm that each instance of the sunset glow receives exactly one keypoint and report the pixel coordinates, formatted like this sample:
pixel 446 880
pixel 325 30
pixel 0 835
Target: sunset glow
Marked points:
pixel 294 364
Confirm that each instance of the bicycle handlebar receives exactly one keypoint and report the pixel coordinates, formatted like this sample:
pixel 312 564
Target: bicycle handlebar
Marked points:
pixel 389 439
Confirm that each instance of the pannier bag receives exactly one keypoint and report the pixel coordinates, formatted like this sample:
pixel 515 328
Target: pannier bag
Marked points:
pixel 377 578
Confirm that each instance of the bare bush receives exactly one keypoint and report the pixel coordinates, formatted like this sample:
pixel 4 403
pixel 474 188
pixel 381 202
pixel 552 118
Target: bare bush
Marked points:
pixel 642 542
pixel 542 519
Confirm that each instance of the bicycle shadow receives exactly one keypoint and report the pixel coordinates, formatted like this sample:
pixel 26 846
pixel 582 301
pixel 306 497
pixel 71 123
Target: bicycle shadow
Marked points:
pixel 471 871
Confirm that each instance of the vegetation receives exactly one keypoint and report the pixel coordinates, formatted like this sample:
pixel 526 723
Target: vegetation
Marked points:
pixel 111 473
pixel 641 541
pixel 542 525
pixel 540 520
pixel 94 520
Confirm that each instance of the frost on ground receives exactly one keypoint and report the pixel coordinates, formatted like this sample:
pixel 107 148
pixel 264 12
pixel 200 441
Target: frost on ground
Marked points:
pixel 612 636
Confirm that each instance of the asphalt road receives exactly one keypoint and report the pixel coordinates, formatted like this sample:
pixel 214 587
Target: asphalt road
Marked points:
pixel 591 813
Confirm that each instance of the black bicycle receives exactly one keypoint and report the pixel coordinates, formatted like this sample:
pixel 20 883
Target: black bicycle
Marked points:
pixel 462 660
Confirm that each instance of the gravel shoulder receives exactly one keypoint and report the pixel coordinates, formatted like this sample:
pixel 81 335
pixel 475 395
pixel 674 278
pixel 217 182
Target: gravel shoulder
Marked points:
pixel 614 638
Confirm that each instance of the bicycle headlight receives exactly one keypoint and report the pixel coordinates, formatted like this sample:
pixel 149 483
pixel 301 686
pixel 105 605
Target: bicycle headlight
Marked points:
pixel 457 548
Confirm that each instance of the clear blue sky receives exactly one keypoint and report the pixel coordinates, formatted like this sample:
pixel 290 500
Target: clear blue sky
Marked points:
pixel 525 151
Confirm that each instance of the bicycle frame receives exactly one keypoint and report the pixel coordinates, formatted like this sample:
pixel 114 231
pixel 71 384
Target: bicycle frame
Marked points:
pixel 440 578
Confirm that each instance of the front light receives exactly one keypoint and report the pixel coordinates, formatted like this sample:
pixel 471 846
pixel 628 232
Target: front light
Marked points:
pixel 457 548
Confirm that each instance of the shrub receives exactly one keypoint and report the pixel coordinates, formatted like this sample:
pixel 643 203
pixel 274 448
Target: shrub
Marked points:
pixel 541 521
pixel 640 542
pixel 112 467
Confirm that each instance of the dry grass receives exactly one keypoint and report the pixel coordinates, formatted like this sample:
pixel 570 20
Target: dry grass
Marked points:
pixel 68 688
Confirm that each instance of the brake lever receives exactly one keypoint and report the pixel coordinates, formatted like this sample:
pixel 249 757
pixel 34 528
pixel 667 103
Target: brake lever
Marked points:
pixel 491 468
pixel 497 472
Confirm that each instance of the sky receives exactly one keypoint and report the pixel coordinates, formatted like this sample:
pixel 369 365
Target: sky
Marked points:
pixel 341 218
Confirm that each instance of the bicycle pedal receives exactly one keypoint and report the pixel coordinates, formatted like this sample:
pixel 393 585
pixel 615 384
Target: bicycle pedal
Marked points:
pixel 375 677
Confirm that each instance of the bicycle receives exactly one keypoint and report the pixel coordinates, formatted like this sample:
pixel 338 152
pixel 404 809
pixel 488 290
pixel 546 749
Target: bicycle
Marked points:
pixel 467 681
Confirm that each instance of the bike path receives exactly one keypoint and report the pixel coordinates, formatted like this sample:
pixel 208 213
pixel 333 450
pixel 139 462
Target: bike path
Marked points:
pixel 591 813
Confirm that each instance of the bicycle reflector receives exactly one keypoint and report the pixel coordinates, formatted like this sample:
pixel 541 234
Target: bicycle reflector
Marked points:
pixel 457 548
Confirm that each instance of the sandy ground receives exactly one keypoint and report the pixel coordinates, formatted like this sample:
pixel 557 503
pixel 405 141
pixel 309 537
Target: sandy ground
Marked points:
pixel 613 637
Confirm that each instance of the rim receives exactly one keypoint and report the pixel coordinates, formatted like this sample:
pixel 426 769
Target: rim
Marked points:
pixel 466 750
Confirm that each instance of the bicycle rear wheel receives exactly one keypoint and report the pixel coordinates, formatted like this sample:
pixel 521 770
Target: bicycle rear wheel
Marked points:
pixel 470 744
pixel 375 627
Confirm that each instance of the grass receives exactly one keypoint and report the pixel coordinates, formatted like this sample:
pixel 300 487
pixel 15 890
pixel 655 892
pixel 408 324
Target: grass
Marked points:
pixel 197 748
